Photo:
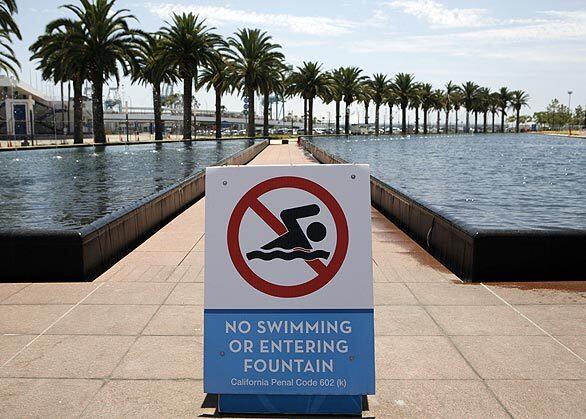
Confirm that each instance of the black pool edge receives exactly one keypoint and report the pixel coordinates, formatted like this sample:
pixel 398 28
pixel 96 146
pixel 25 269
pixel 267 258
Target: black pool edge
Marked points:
pixel 472 254
pixel 82 255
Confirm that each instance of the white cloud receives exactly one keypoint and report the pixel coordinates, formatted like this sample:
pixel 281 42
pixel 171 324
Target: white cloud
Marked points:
pixel 439 15
pixel 218 15
pixel 552 38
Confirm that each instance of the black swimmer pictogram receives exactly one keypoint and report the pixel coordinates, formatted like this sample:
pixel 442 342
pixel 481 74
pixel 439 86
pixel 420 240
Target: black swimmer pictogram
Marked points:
pixel 295 243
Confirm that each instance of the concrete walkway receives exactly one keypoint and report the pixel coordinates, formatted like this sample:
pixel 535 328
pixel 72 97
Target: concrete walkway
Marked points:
pixel 130 343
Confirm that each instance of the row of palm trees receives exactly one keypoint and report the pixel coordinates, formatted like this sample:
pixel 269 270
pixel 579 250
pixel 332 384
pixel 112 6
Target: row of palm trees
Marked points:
pixel 97 44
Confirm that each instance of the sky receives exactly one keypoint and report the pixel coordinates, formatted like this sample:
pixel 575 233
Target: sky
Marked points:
pixel 534 45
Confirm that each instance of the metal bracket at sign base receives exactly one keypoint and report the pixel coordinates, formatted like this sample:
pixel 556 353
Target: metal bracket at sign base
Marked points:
pixel 290 404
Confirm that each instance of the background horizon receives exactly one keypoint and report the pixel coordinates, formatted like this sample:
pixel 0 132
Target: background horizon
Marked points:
pixel 535 46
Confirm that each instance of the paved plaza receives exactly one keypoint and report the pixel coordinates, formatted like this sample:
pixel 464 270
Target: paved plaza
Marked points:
pixel 130 343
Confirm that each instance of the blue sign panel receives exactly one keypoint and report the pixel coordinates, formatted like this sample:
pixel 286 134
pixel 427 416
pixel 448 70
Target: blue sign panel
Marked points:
pixel 303 352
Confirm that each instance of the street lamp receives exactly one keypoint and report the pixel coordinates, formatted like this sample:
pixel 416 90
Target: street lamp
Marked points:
pixel 570 111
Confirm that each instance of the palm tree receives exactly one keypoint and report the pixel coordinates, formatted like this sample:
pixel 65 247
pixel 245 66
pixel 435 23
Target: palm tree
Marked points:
pixel 438 103
pixel 504 98
pixel 152 69
pixel 482 104
pixel 335 91
pixel 251 51
pixel 379 86
pixel 518 99
pixel 457 99
pixel 391 100
pixel 108 44
pixel 469 90
pixel 415 103
pixel 427 103
pixel 404 88
pixel 365 97
pixel 451 89
pixel 8 28
pixel 62 58
pixel 350 86
pixel 273 81
pixel 310 82
pixel 493 106
pixel 188 43
pixel 217 75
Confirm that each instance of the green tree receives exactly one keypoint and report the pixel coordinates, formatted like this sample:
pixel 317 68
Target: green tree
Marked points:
pixel 438 104
pixel 391 100
pixel 62 58
pixel 217 75
pixel 251 50
pixel 427 97
pixel 8 29
pixel 336 94
pixel 469 90
pixel 504 98
pixel 108 44
pixel 273 81
pixel 451 90
pixel 483 105
pixel 404 88
pixel 365 97
pixel 351 81
pixel 519 99
pixel 152 68
pixel 414 104
pixel 379 86
pixel 188 43
pixel 457 100
pixel 493 107
pixel 309 81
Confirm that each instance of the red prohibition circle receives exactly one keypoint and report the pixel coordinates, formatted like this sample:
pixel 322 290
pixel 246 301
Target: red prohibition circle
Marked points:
pixel 325 273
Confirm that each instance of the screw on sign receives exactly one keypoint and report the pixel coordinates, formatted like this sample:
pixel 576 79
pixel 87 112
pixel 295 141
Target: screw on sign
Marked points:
pixel 290 237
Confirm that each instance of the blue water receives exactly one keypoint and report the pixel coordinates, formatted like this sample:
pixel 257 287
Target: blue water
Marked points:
pixel 494 181
pixel 69 188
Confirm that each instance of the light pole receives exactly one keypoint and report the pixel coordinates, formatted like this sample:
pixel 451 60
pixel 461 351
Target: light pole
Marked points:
pixel 570 111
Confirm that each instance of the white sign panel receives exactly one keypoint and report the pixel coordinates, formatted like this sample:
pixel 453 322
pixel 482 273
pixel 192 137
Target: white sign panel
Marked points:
pixel 288 237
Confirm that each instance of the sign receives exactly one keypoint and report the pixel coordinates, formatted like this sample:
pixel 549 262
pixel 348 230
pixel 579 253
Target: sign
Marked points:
pixel 288 281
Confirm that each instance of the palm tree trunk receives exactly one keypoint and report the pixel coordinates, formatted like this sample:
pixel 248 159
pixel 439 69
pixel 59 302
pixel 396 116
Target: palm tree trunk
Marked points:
pixel 77 111
pixel 467 121
pixel 502 120
pixel 425 120
pixel 475 122
pixel 265 115
pixel 218 113
pixel 517 122
pixel 493 114
pixel 366 105
pixel 337 117
pixel 157 111
pixel 98 110
pixel 404 120
pixel 251 129
pixel 390 119
pixel 376 120
pixel 456 121
pixel 62 111
pixel 310 116
pixel 438 121
pixel 347 119
pixel 304 116
pixel 187 99
pixel 68 105
pixel 484 123
pixel 417 120
pixel 447 120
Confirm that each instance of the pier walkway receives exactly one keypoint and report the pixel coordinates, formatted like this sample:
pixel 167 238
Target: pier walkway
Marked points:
pixel 130 343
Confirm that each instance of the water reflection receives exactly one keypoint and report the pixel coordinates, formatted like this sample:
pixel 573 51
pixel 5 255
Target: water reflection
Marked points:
pixel 38 190
pixel 485 181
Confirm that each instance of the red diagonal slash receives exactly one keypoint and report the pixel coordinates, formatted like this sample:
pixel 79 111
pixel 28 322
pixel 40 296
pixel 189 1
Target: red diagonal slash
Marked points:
pixel 278 227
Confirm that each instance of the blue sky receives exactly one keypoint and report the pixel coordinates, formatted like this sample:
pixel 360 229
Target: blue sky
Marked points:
pixel 535 45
